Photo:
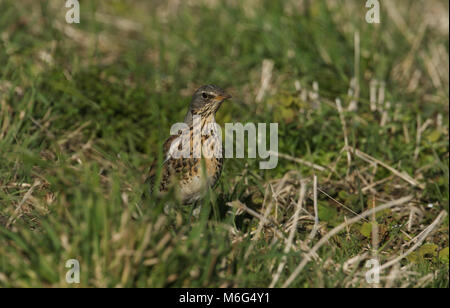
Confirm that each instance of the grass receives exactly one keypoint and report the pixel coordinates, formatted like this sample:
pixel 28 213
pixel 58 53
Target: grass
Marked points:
pixel 84 109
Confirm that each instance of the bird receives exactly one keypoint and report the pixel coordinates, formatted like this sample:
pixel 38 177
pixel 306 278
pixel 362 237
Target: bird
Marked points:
pixel 190 177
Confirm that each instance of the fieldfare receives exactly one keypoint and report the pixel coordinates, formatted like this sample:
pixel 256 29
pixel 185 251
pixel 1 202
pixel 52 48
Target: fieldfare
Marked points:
pixel 191 175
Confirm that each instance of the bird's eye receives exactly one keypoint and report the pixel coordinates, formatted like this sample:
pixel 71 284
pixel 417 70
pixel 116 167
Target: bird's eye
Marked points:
pixel 204 95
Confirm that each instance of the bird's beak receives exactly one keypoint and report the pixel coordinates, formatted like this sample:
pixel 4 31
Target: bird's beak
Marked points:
pixel 222 97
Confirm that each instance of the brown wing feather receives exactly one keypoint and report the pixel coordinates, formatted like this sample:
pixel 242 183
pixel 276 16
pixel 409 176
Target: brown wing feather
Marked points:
pixel 154 166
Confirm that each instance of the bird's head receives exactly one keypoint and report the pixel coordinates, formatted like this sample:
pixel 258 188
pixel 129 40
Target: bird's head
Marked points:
pixel 207 100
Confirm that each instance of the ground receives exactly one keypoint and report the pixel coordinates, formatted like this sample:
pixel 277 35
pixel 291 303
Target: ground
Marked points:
pixel 362 108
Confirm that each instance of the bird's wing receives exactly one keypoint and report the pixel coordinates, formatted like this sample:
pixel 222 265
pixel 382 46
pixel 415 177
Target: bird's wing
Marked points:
pixel 167 154
pixel 167 150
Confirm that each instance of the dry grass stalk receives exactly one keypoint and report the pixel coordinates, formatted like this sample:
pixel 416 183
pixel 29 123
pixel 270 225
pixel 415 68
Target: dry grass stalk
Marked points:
pixel 266 76
pixel 385 115
pixel 418 239
pixel 420 129
pixel 406 133
pixel 374 184
pixel 373 94
pixel 375 240
pixel 262 222
pixel 353 106
pixel 353 262
pixel 239 205
pixel 316 211
pixel 381 96
pixel 336 230
pixel 120 23
pixel 392 277
pixel 288 246
pixel 342 205
pixel 344 128
pixel 18 209
pixel 403 175
pixel 299 161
